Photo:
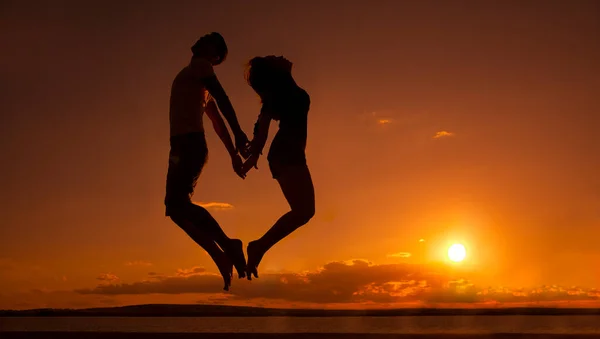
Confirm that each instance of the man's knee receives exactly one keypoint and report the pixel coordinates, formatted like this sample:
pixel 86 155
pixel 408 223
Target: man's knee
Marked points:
pixel 178 209
pixel 303 215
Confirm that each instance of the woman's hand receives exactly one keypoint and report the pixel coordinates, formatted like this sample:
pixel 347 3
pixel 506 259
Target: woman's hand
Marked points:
pixel 237 164
pixel 252 161
pixel 242 144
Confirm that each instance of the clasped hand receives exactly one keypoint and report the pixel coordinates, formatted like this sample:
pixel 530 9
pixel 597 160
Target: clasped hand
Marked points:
pixel 244 148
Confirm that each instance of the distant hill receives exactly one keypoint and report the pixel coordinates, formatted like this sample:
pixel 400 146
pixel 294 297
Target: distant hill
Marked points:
pixel 171 310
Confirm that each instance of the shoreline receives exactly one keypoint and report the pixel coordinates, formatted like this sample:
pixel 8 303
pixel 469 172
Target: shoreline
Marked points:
pixel 147 335
pixel 174 310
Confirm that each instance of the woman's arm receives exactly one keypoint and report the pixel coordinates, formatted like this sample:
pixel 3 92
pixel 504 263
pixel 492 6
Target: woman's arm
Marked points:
pixel 261 133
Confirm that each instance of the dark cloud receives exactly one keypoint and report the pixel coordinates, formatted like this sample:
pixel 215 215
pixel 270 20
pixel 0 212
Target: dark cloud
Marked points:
pixel 357 281
pixel 177 284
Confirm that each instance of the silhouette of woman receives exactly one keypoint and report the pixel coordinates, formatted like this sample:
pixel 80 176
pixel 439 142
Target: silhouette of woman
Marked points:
pixel 284 101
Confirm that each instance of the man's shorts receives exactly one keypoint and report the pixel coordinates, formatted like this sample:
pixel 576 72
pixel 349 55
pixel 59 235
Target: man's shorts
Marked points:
pixel 187 157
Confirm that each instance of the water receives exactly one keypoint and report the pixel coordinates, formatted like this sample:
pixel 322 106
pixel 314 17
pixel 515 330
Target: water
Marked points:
pixel 399 325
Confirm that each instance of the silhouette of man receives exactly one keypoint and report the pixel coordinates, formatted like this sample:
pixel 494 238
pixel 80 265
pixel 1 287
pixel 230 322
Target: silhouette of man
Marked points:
pixel 195 91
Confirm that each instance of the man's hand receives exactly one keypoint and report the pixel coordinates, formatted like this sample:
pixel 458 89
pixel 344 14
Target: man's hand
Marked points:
pixel 237 164
pixel 242 144
pixel 252 161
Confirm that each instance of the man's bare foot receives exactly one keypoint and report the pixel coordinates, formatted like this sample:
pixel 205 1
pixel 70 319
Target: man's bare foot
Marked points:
pixel 235 252
pixel 255 255
pixel 226 269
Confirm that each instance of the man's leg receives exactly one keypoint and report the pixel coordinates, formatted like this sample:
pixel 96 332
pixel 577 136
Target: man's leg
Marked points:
pixel 185 165
pixel 202 218
pixel 201 238
pixel 233 248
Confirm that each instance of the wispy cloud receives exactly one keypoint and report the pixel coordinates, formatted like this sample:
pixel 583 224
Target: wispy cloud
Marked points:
pixel 188 272
pixel 216 205
pixel 443 134
pixel 384 117
pixel 400 255
pixel 107 278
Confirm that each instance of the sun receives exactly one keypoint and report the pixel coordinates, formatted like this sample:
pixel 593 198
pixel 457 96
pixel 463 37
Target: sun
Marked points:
pixel 457 253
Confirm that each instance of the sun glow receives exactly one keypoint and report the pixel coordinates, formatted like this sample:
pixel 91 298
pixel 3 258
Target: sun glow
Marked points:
pixel 457 253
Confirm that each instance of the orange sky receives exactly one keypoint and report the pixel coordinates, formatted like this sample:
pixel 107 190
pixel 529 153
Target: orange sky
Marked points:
pixel 449 121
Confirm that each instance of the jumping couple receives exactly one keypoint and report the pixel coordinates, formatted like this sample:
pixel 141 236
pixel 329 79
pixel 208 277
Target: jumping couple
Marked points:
pixel 195 91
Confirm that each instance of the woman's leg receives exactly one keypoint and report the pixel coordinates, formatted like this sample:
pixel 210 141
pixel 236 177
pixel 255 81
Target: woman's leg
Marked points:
pixel 297 187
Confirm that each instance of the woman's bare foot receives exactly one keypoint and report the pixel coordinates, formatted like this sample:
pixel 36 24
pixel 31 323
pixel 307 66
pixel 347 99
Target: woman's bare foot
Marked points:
pixel 255 255
pixel 235 252
pixel 226 269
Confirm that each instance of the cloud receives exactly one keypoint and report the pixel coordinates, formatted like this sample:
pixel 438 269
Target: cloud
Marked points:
pixel 382 117
pixel 356 282
pixel 400 117
pixel 443 134
pixel 400 255
pixel 107 278
pixel 183 272
pixel 219 206
pixel 138 263
pixel 192 280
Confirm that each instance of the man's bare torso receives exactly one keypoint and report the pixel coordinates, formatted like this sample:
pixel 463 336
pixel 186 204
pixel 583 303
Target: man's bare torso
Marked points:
pixel 189 98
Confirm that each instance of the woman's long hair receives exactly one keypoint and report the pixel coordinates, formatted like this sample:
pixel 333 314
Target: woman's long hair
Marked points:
pixel 269 73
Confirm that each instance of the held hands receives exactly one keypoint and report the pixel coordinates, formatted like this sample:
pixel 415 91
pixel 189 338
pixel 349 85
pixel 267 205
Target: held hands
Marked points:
pixel 244 147
pixel 241 168
pixel 252 161
pixel 237 164
pixel 242 144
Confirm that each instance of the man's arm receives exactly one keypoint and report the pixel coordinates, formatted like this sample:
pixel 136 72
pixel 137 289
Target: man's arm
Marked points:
pixel 219 125
pixel 218 93
pixel 206 74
